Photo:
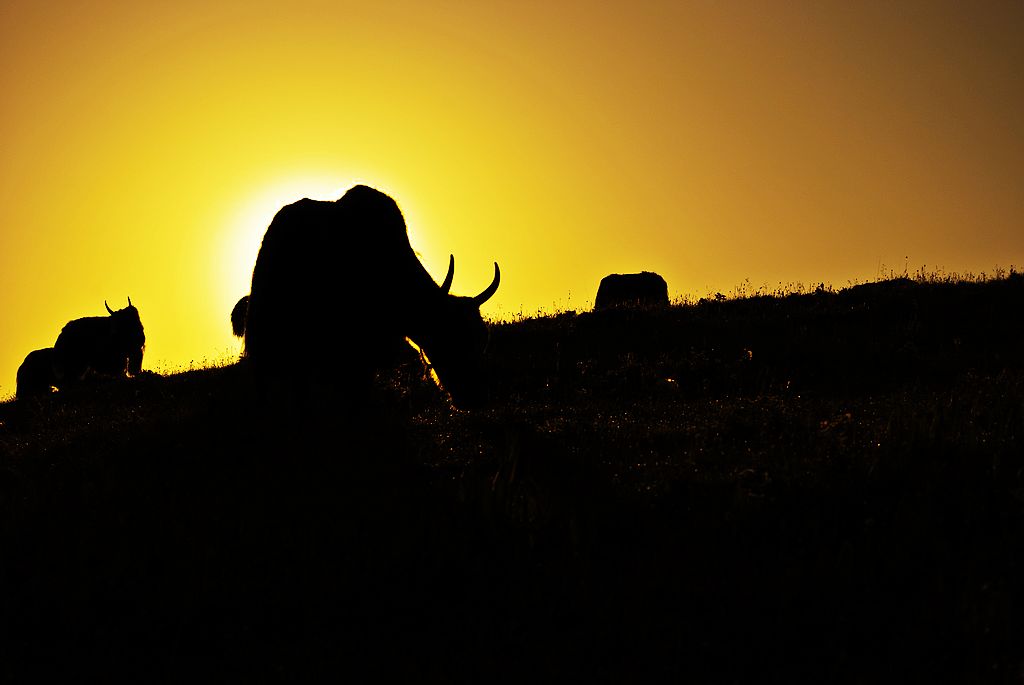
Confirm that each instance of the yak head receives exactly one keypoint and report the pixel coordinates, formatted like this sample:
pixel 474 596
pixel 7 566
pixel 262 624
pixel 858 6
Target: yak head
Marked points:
pixel 454 338
pixel 127 335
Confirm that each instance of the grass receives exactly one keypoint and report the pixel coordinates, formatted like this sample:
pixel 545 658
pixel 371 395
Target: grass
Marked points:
pixel 819 486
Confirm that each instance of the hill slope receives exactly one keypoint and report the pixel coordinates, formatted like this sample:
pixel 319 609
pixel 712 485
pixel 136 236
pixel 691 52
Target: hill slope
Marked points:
pixel 826 486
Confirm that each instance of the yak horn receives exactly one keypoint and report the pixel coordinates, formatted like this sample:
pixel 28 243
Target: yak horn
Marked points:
pixel 108 307
pixel 447 285
pixel 491 289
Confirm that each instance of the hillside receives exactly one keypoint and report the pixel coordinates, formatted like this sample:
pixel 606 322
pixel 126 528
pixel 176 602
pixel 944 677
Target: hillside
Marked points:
pixel 822 487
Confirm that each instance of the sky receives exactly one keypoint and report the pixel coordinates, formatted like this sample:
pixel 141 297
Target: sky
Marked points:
pixel 145 147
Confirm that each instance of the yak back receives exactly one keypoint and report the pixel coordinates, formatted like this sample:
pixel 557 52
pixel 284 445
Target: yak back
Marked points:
pixel 36 374
pixel 631 290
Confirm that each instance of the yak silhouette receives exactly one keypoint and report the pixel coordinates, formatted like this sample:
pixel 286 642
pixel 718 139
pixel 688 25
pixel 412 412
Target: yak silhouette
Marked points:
pixel 103 345
pixel 646 289
pixel 348 266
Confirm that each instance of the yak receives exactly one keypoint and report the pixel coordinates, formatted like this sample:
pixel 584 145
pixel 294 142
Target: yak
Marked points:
pixel 103 345
pixel 36 375
pixel 349 262
pixel 645 289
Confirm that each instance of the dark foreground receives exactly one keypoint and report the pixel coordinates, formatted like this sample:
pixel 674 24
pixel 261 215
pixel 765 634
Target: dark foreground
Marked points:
pixel 819 488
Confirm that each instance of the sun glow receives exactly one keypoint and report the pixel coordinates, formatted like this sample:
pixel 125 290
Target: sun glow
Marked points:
pixel 249 215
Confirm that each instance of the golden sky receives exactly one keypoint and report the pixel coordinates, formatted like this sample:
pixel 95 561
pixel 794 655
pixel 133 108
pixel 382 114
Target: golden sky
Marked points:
pixel 144 147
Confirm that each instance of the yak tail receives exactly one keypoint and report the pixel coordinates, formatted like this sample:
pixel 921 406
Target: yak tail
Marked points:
pixel 238 316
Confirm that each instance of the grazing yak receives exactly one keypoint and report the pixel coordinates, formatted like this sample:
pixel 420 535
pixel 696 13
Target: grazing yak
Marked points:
pixel 36 375
pixel 645 289
pixel 104 345
pixel 348 264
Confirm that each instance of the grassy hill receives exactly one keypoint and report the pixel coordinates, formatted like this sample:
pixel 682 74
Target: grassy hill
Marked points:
pixel 821 487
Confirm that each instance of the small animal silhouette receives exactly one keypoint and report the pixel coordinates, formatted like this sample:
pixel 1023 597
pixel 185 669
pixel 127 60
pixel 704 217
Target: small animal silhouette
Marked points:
pixel 646 289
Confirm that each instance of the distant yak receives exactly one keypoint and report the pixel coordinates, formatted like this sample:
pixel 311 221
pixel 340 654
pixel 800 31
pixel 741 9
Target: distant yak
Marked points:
pixel 105 345
pixel 646 289
pixel 36 375
pixel 348 265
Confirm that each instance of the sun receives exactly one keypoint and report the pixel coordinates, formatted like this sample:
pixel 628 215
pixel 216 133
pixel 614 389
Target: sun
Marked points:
pixel 247 217
pixel 249 213
pixel 246 214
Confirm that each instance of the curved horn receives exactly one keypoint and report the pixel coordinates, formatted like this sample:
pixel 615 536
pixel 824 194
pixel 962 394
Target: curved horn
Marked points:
pixel 491 289
pixel 108 307
pixel 447 285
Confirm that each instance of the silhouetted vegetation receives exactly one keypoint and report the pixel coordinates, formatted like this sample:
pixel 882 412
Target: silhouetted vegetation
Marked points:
pixel 821 487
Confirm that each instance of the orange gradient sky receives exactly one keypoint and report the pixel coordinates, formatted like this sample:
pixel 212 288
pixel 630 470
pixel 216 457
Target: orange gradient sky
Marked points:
pixel 145 147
